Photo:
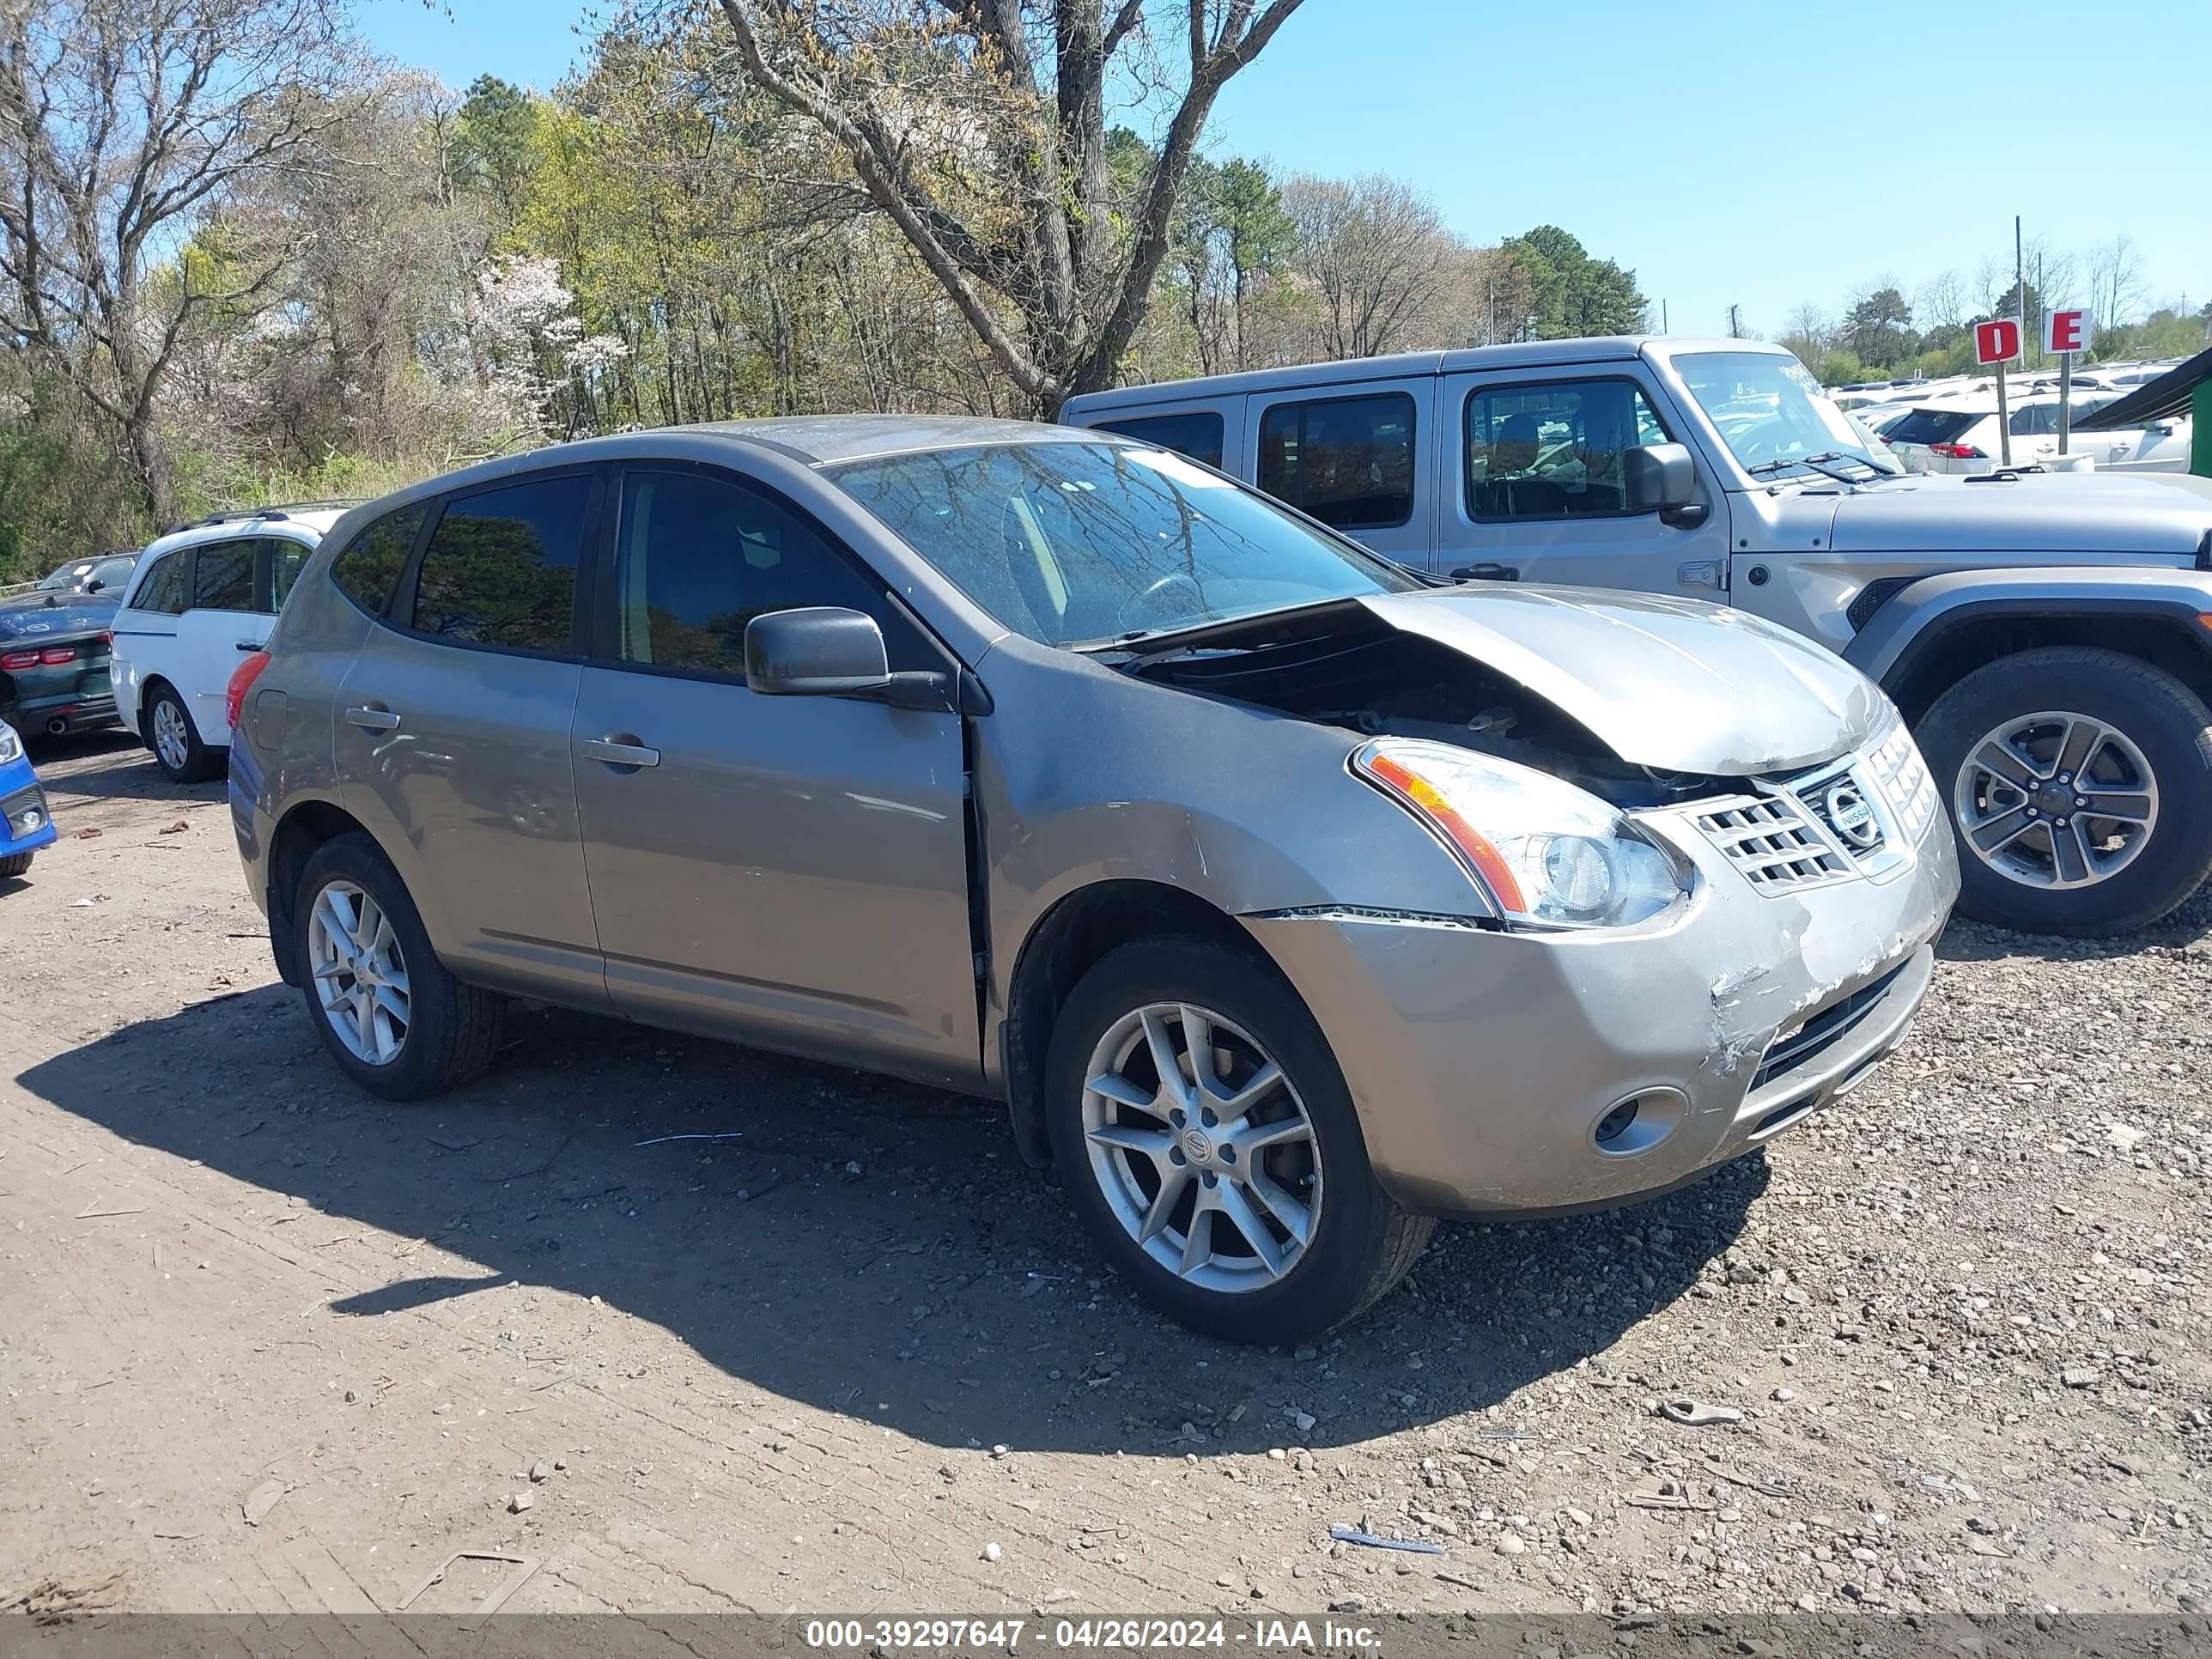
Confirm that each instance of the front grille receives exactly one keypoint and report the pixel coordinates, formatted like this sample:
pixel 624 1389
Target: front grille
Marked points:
pixel 1845 809
pixel 1824 1031
pixel 1771 842
pixel 1896 766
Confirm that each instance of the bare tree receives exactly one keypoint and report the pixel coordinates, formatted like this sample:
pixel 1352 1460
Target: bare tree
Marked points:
pixel 2117 285
pixel 126 127
pixel 1378 253
pixel 979 128
pixel 1943 300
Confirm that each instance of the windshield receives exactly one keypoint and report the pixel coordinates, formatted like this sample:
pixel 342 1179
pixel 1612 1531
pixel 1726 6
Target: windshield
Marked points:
pixel 64 579
pixel 1771 414
pixel 1080 543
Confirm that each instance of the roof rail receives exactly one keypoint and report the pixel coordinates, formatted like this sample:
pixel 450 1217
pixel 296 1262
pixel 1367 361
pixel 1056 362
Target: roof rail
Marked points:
pixel 274 510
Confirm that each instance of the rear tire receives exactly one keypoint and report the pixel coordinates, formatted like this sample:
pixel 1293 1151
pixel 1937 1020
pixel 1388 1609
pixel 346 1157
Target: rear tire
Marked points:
pixel 1276 1173
pixel 15 865
pixel 2152 756
pixel 426 1031
pixel 175 740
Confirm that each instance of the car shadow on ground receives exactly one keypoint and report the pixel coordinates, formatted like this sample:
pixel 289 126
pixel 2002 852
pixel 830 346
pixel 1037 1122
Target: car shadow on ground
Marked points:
pixel 853 1244
pixel 110 765
pixel 1966 940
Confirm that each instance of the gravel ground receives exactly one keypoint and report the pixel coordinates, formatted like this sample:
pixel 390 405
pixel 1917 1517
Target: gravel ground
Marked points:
pixel 268 1345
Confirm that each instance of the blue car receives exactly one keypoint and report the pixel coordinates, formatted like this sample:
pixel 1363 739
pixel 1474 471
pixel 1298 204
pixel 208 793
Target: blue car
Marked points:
pixel 26 826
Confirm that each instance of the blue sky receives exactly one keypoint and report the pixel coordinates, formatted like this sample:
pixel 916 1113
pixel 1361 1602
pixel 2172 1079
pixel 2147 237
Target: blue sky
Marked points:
pixel 1728 152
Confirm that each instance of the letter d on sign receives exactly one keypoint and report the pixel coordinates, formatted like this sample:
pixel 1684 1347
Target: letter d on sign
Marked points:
pixel 1997 341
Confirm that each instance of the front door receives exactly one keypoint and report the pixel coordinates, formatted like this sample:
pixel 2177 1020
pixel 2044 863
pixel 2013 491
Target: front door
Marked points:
pixel 452 735
pixel 1540 487
pixel 792 871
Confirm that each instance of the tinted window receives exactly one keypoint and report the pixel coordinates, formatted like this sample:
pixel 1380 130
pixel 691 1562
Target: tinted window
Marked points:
pixel 368 570
pixel 500 567
pixel 162 592
pixel 1931 426
pixel 1555 451
pixel 1348 461
pixel 2036 420
pixel 285 559
pixel 698 557
pixel 1197 434
pixel 223 577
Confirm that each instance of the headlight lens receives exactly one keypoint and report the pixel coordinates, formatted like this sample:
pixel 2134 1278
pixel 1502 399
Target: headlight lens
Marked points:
pixel 11 746
pixel 1548 855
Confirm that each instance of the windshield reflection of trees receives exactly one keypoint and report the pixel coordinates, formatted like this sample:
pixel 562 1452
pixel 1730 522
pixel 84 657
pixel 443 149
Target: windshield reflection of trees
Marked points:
pixel 1092 542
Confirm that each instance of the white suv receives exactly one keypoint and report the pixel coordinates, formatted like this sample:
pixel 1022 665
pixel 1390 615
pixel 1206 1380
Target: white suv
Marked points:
pixel 200 597
pixel 1960 434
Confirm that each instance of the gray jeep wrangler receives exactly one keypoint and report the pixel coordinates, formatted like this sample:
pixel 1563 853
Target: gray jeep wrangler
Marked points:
pixel 2049 636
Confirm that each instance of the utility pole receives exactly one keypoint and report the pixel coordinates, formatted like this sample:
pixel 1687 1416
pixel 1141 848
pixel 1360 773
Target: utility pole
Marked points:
pixel 2018 282
pixel 1663 328
pixel 1736 323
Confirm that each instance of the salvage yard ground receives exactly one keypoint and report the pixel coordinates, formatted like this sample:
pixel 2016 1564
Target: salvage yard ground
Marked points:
pixel 269 1344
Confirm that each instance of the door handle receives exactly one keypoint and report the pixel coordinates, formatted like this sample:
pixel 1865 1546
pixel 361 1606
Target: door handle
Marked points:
pixel 370 718
pixel 613 751
pixel 249 644
pixel 1488 571
pixel 1699 572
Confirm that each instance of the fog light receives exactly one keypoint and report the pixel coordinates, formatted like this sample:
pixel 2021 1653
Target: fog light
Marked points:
pixel 1614 1124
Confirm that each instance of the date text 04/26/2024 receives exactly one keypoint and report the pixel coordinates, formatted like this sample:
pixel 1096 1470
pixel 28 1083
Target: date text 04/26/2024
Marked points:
pixel 1127 1634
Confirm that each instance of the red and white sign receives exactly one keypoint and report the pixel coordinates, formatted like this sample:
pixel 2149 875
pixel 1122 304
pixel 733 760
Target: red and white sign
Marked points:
pixel 2065 332
pixel 1997 341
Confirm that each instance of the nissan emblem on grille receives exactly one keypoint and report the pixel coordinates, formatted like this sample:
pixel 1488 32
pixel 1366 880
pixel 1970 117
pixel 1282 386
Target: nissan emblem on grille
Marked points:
pixel 1845 808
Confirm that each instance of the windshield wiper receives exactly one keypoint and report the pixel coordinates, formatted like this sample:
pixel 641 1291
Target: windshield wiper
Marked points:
pixel 1825 465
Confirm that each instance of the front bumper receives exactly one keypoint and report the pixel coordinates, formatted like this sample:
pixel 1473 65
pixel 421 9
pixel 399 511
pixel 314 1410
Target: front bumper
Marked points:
pixel 1482 1063
pixel 27 823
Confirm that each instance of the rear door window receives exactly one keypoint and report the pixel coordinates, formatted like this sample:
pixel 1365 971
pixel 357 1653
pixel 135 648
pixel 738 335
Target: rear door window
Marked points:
pixel 500 567
pixel 285 557
pixel 1348 461
pixel 1931 426
pixel 1195 433
pixel 222 577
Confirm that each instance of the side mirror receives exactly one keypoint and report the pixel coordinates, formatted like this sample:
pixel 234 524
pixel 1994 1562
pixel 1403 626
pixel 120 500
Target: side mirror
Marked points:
pixel 815 651
pixel 1662 478
pixel 95 585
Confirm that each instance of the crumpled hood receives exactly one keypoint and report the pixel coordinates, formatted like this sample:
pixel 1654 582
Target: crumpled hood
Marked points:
pixel 1673 683
pixel 2035 513
pixel 29 615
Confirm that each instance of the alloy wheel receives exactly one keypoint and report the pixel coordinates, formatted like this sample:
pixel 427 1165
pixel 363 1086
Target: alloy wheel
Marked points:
pixel 1201 1147
pixel 171 741
pixel 360 974
pixel 2056 800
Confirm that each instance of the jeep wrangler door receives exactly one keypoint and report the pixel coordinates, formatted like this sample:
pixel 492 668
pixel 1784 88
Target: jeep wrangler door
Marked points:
pixel 1541 489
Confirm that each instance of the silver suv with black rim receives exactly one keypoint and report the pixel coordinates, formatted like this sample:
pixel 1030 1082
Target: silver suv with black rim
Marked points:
pixel 1287 900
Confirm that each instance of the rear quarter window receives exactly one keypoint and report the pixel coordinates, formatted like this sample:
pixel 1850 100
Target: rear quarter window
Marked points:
pixel 500 567
pixel 367 569
pixel 1195 433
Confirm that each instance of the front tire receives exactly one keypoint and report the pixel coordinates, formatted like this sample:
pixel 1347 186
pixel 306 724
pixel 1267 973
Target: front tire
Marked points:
pixel 2079 784
pixel 175 740
pixel 1207 1140
pixel 15 865
pixel 394 1019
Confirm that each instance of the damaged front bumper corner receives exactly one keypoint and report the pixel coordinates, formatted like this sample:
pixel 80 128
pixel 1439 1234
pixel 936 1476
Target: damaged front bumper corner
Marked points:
pixel 1498 1073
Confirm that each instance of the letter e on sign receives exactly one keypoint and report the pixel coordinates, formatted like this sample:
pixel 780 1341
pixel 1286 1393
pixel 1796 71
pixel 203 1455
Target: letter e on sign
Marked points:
pixel 1997 341
pixel 2065 332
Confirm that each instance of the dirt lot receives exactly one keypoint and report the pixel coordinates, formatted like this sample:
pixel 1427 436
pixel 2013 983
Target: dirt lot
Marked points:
pixel 269 1344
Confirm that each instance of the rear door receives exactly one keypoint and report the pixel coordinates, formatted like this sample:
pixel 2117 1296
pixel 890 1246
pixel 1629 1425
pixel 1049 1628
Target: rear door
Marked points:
pixel 1352 456
pixel 793 870
pixel 452 734
pixel 1540 491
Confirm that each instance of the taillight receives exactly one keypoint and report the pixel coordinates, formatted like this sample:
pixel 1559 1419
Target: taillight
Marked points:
pixel 54 656
pixel 20 659
pixel 241 682
pixel 1957 452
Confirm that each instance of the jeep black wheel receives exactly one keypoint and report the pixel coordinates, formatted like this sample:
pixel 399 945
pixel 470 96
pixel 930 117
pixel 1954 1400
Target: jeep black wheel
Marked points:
pixel 2079 783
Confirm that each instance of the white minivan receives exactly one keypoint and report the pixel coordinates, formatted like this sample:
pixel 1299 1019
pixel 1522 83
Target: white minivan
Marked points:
pixel 200 598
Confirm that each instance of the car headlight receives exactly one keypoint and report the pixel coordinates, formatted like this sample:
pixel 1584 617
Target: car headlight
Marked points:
pixel 1546 854
pixel 11 746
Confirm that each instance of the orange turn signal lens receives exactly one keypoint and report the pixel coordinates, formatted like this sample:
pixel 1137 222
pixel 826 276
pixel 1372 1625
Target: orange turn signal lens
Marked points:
pixel 1423 797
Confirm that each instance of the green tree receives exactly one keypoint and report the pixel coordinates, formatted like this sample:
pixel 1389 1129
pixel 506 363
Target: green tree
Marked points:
pixel 1878 329
pixel 1573 295
pixel 495 143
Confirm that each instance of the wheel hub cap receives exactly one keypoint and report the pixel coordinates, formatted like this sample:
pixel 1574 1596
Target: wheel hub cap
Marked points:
pixel 360 973
pixel 2056 800
pixel 1201 1147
